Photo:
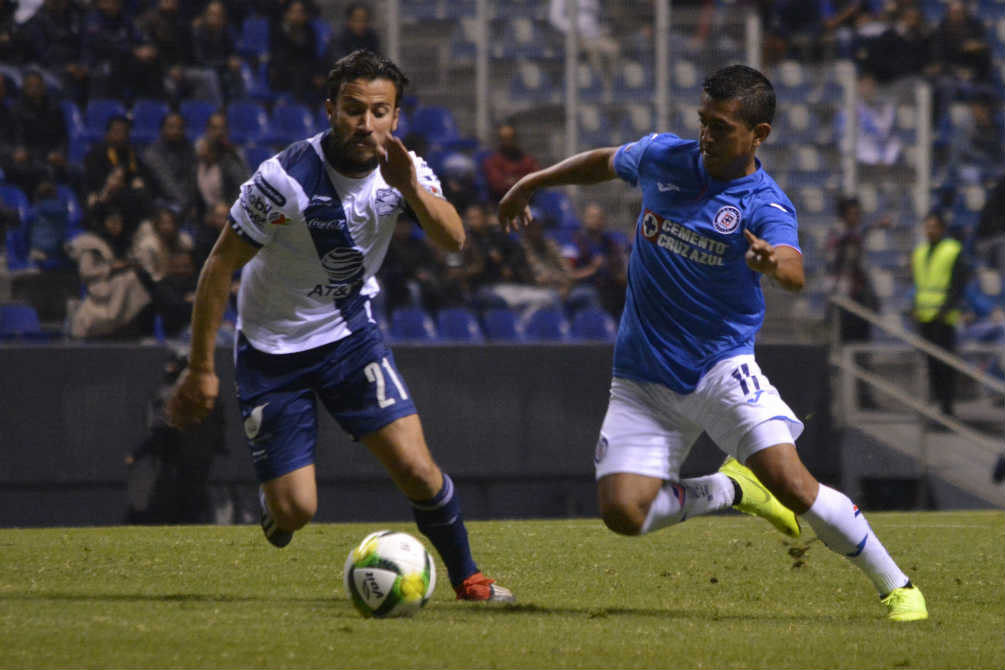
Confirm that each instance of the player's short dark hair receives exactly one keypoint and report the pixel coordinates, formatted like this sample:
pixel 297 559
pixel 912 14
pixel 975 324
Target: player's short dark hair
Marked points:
pixel 365 64
pixel 750 87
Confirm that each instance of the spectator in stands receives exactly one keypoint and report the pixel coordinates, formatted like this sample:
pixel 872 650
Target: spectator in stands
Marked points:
pixel 115 302
pixel 50 224
pixel 214 46
pixel 960 49
pixel 504 166
pixel 989 237
pixel 294 65
pixel 157 242
pixel 115 176
pixel 940 277
pixel 899 51
pixel 208 231
pixel 51 39
pixel 121 62
pixel 10 127
pixel 600 262
pixel 411 275
pixel 171 160
pixel 40 118
pixel 173 295
pixel 61 172
pixel 170 34
pixel 790 29
pixel 221 169
pixel 876 142
pixel 9 47
pixel 498 273
pixel 357 33
pixel 458 178
pixel 975 141
pixel 847 276
pixel 22 169
pixel 548 267
pixel 594 34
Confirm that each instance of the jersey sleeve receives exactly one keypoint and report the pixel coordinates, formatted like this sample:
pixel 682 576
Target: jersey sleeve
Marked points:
pixel 628 158
pixel 775 223
pixel 263 204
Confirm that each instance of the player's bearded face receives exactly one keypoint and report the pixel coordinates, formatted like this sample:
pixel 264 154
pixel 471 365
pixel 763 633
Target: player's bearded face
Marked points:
pixel 362 118
pixel 728 144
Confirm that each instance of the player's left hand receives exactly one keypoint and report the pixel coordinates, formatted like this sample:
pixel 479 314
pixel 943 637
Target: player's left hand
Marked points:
pixel 760 255
pixel 396 166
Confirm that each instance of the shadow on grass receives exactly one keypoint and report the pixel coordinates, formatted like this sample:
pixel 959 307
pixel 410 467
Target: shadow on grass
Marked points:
pixel 661 613
pixel 159 597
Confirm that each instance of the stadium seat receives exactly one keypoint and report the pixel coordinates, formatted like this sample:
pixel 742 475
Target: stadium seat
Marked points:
pixel 196 114
pixel 74 211
pixel 460 324
pixel 322 33
pixel 463 41
pixel 500 324
pixel 546 324
pixel 589 84
pixel 417 11
pixel 593 323
pixel 412 323
pixel 247 121
pixel 557 206
pixel 253 42
pixel 685 82
pixel 524 38
pixel 436 124
pixel 531 85
pixel 18 321
pixel 16 238
pixel 96 116
pixel 147 117
pixel 256 154
pixel 73 118
pixel 594 127
pixel 289 123
pixel 633 80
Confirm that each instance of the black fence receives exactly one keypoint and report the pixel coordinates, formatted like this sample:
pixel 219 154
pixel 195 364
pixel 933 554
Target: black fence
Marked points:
pixel 515 426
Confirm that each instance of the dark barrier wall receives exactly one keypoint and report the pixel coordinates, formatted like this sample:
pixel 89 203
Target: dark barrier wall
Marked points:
pixel 514 425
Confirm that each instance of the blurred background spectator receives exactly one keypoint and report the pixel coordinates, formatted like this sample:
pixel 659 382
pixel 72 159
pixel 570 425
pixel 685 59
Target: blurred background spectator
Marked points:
pixel 357 33
pixel 504 166
pixel 169 160
pixel 220 167
pixel 599 266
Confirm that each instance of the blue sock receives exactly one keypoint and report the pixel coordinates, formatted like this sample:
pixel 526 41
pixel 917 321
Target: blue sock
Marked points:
pixel 439 519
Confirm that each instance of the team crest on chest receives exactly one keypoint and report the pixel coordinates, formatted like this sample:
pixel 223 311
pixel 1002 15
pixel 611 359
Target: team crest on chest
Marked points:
pixel 727 219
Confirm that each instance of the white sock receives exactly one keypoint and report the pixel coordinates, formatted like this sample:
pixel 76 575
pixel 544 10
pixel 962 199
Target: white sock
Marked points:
pixel 843 528
pixel 692 497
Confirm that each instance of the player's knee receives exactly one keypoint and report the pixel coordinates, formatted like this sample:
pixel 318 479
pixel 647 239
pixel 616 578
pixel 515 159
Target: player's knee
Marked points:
pixel 623 519
pixel 419 480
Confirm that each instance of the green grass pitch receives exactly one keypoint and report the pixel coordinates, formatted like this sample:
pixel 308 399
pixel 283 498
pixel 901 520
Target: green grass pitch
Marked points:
pixel 715 592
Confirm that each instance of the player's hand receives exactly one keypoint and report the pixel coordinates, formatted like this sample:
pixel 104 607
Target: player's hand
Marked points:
pixel 396 166
pixel 760 255
pixel 192 398
pixel 514 209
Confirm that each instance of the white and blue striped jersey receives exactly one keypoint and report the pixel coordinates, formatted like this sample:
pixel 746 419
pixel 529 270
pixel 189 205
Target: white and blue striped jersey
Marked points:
pixel 691 299
pixel 321 236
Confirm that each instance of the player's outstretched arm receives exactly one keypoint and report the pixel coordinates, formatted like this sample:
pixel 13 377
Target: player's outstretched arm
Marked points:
pixel 438 218
pixel 588 167
pixel 195 393
pixel 783 264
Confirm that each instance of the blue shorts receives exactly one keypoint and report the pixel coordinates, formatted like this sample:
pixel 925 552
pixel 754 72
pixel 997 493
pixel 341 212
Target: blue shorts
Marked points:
pixel 354 377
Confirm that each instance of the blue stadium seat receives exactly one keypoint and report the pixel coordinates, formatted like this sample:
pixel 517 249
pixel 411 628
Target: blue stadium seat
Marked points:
pixel 463 41
pixel 525 38
pixel 73 118
pixel 685 83
pixel 436 124
pixel 96 116
pixel 256 154
pixel 458 323
pixel 289 123
pixel 500 324
pixel 196 114
pixel 589 84
pixel 633 81
pixel 595 127
pixel 416 11
pixel 253 42
pixel 557 206
pixel 18 321
pixel 17 238
pixel 147 117
pixel 247 121
pixel 547 324
pixel 412 323
pixel 593 323
pixel 791 82
pixel 532 85
pixel 74 211
pixel 322 33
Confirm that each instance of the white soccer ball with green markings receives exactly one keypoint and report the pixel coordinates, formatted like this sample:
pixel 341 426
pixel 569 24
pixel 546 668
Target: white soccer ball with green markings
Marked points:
pixel 389 574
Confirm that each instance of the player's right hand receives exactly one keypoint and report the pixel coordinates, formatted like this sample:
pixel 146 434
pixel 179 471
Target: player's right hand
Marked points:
pixel 193 398
pixel 514 209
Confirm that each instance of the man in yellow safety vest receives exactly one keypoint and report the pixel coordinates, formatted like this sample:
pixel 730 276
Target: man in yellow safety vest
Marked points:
pixel 940 275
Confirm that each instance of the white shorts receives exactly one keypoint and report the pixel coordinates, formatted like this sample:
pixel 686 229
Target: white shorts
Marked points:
pixel 650 429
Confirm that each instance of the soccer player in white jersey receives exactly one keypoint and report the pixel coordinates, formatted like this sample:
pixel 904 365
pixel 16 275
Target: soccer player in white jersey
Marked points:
pixel 712 223
pixel 309 231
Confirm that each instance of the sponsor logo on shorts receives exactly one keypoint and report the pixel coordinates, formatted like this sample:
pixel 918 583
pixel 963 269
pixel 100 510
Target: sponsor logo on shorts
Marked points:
pixel 253 424
pixel 601 451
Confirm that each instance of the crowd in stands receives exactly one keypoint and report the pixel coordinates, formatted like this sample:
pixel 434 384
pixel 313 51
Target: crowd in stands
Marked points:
pixel 127 127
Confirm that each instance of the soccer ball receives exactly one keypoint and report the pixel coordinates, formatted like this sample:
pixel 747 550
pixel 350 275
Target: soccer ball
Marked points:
pixel 389 574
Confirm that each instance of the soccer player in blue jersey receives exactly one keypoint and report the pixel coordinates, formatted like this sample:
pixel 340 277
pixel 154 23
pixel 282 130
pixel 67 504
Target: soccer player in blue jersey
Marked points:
pixel 308 232
pixel 712 224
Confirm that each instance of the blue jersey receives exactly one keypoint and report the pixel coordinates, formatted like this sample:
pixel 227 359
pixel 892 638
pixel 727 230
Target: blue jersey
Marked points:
pixel 691 300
